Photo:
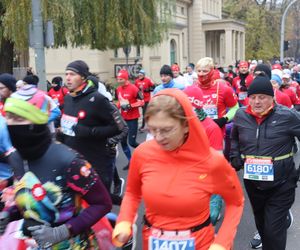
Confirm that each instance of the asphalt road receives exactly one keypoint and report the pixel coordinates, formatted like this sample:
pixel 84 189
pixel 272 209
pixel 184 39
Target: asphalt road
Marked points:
pixel 246 227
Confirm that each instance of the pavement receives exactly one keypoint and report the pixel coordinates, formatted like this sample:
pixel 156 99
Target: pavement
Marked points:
pixel 246 227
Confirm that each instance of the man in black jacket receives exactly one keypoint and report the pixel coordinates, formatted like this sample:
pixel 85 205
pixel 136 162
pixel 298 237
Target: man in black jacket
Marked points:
pixel 263 138
pixel 89 120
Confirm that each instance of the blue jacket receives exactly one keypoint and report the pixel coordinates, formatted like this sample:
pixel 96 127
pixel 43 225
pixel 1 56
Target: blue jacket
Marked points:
pixel 168 85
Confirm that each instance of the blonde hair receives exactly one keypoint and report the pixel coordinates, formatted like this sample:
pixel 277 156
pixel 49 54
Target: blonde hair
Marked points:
pixel 205 62
pixel 166 104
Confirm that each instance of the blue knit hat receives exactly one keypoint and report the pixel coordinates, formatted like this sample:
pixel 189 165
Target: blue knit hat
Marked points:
pixel 277 79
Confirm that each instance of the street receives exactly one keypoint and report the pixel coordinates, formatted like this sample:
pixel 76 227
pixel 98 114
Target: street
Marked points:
pixel 246 227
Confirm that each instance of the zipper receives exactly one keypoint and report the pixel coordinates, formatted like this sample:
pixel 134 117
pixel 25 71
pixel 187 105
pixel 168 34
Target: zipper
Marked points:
pixel 257 136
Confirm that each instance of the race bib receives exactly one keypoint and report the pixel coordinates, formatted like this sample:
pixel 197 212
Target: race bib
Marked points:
pixel 67 123
pixel 211 110
pixel 171 240
pixel 259 169
pixel 243 95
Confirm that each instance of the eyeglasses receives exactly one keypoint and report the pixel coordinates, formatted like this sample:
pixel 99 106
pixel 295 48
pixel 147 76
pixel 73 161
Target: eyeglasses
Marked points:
pixel 164 132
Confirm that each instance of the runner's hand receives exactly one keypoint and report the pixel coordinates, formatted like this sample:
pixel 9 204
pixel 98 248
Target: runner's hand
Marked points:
pixel 237 163
pixel 221 121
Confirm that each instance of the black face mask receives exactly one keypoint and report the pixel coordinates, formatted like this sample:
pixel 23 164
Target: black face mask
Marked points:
pixel 31 141
pixel 56 88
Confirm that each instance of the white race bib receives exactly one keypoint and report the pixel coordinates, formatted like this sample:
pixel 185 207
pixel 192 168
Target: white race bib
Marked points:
pixel 211 110
pixel 243 95
pixel 258 169
pixel 67 123
pixel 171 240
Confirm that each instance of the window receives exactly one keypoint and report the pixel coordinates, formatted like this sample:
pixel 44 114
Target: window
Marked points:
pixel 138 51
pixel 173 51
pixel 116 53
pixel 182 10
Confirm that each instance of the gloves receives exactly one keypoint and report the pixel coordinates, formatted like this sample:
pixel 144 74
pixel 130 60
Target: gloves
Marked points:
pixel 125 107
pixel 243 89
pixel 5 143
pixel 46 236
pixel 82 131
pixel 4 220
pixel 221 121
pixel 237 163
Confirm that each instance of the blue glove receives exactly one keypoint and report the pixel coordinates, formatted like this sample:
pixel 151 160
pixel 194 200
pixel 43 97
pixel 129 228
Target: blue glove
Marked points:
pixel 5 143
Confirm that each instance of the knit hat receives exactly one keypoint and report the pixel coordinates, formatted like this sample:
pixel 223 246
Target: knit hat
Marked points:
pixel 79 67
pixel 195 96
pixel 166 70
pixel 9 81
pixel 243 64
pixel 31 79
pixel 277 72
pixel 29 103
pixel 277 79
pixel 175 67
pixel 264 68
pixel 261 85
pixel 142 72
pixel 276 66
pixel 57 80
pixel 123 74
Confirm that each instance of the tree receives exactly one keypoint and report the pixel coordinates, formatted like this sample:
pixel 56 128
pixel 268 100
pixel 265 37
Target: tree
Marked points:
pixel 97 24
pixel 263 19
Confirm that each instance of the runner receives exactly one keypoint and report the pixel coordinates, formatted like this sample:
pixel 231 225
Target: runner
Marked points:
pixel 168 82
pixel 172 173
pixel 242 82
pixel 178 78
pixel 89 120
pixel 262 141
pixel 217 95
pixel 58 91
pixel 130 98
pixel 190 74
pixel 46 190
pixel 146 85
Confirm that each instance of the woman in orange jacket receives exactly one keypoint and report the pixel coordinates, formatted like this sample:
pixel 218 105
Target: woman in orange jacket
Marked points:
pixel 175 174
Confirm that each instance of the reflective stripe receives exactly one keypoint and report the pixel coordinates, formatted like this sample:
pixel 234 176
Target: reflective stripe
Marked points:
pixel 278 158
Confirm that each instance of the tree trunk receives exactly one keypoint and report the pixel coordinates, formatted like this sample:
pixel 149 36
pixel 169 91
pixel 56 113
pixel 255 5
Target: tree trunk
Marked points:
pixel 7 56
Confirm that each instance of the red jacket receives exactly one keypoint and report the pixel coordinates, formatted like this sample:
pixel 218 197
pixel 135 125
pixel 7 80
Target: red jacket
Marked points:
pixel 145 85
pixel 58 95
pixel 242 95
pixel 129 94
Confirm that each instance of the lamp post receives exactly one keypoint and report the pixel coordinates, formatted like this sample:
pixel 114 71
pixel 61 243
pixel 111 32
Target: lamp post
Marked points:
pixel 283 29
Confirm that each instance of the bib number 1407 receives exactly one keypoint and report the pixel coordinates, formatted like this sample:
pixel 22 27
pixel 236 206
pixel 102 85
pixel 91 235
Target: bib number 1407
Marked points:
pixel 164 244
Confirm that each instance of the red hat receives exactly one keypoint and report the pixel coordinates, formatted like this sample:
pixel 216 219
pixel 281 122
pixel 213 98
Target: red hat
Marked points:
pixel 175 67
pixel 243 64
pixel 123 74
pixel 277 66
pixel 195 96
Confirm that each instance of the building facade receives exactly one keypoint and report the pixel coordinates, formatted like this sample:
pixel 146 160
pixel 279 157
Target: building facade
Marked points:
pixel 198 30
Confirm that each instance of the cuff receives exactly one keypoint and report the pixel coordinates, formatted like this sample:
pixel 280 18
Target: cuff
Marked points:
pixel 123 227
pixel 215 246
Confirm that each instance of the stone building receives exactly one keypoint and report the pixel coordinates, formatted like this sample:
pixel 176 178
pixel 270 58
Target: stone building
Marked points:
pixel 198 30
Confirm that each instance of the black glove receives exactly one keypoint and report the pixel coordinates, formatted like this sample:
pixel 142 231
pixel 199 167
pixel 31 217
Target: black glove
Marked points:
pixel 221 121
pixel 82 131
pixel 237 163
pixel 243 89
pixel 4 220
pixel 125 107
pixel 46 236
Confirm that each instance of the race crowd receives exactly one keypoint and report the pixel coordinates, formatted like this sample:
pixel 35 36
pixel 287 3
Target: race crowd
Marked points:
pixel 58 155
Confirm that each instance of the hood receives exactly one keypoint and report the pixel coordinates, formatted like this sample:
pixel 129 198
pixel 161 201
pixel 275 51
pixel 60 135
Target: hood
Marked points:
pixel 197 144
